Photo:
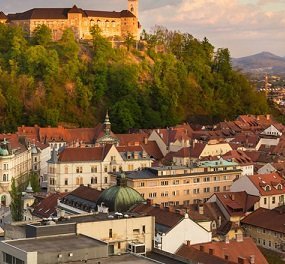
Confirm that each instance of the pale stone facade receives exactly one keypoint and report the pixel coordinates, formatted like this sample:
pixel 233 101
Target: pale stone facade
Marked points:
pixel 112 24
pixel 15 162
pixel 65 175
pixel 118 233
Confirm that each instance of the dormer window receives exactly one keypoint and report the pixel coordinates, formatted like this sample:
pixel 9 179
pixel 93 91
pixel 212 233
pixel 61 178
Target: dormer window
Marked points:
pixel 279 186
pixel 267 188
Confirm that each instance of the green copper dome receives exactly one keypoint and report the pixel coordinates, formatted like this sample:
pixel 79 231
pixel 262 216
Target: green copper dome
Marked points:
pixel 120 198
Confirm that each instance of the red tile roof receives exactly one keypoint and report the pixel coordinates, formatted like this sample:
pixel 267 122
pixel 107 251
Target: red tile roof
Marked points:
pixel 82 154
pixel 197 149
pixel 62 13
pixel 129 148
pixel 272 181
pixel 86 193
pixel 153 150
pixel 238 156
pixel 47 207
pixel 180 132
pixel 268 219
pixel 162 215
pixel 237 203
pixel 199 256
pixel 132 139
pixel 234 250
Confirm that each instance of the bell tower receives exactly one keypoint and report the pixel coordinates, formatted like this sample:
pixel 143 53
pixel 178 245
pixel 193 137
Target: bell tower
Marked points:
pixel 133 6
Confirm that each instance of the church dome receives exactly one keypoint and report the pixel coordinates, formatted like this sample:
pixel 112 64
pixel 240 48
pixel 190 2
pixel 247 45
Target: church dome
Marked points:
pixel 120 197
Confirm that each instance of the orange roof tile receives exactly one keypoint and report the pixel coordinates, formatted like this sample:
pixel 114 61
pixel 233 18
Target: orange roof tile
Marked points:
pixel 82 154
pixel 237 203
pixel 47 206
pixel 268 219
pixel 234 250
pixel 261 181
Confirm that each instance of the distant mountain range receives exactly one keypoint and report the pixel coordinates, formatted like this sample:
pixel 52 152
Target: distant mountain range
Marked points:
pixel 261 63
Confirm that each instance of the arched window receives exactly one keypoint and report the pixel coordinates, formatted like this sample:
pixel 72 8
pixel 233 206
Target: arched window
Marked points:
pixel 92 23
pixel 107 23
pixel 3 200
pixel 81 180
pixel 5 177
pixel 77 181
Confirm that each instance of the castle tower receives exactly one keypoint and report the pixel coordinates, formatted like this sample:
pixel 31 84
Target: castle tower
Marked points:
pixel 133 6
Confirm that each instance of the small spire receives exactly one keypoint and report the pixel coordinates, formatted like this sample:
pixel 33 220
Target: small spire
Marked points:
pixel 107 124
pixel 29 188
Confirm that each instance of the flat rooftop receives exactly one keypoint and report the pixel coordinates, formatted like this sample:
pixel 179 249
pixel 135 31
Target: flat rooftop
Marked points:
pixel 55 243
pixel 126 258
pixel 90 217
pixel 150 173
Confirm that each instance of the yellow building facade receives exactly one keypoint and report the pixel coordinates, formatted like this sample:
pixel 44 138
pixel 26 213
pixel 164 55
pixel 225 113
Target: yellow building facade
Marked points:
pixel 178 185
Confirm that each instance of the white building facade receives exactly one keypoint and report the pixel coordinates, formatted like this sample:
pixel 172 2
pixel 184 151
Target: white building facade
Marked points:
pixel 91 166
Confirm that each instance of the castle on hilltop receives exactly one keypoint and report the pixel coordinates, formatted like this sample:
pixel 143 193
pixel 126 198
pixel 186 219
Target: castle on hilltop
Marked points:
pixel 112 24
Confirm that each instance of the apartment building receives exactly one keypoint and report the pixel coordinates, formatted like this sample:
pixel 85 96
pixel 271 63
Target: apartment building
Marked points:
pixel 178 185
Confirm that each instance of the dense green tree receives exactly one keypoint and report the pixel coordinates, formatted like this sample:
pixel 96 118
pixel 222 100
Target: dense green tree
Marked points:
pixel 175 78
pixel 35 182
pixel 16 205
pixel 42 35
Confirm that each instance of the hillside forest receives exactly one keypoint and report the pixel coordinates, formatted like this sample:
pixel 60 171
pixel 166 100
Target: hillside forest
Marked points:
pixel 167 78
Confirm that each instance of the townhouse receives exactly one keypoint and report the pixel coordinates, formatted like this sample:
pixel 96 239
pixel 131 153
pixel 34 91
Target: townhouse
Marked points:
pixel 266 227
pixel 269 187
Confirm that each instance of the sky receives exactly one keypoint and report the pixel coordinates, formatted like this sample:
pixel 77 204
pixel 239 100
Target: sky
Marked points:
pixel 246 27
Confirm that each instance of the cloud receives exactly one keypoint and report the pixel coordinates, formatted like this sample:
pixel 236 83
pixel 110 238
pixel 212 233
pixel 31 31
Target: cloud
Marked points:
pixel 229 21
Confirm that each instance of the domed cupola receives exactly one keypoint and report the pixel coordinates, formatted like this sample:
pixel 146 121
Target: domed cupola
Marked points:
pixel 120 198
pixel 4 148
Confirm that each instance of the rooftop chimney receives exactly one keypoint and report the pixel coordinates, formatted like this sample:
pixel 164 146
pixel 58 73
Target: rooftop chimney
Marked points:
pixel 252 259
pixel 211 251
pixel 239 237
pixel 227 240
pixel 201 209
pixel 145 140
pixel 149 202
pixel 188 243
pixel 241 260
pixel 219 221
